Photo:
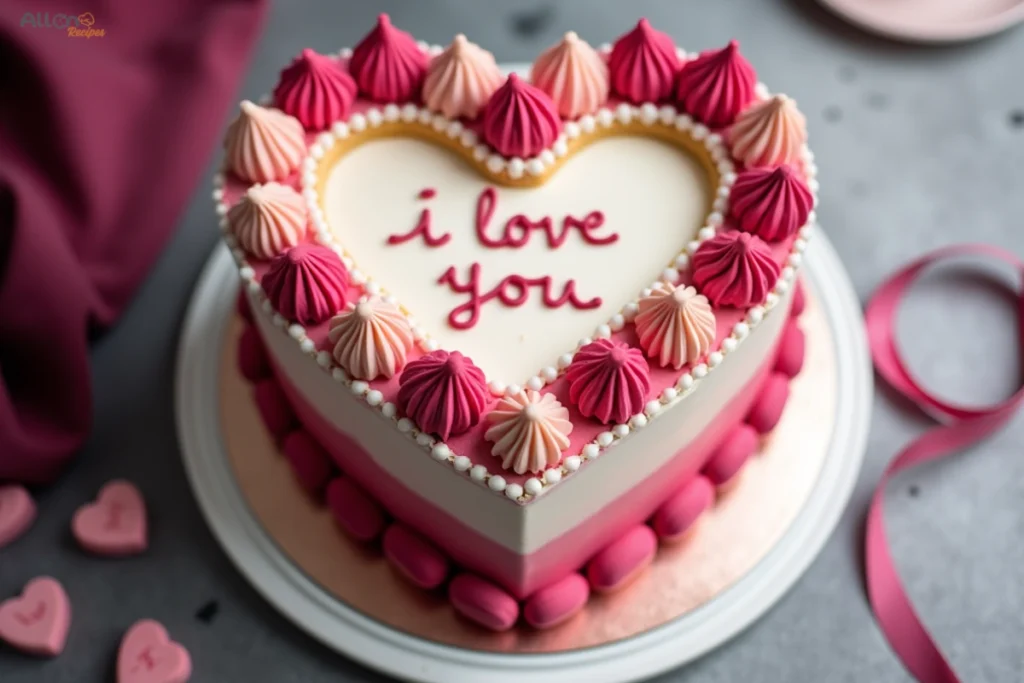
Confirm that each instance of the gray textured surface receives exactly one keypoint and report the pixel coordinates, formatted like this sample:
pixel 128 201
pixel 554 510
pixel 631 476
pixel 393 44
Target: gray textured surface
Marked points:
pixel 917 147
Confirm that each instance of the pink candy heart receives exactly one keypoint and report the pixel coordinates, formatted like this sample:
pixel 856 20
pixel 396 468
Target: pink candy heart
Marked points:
pixel 17 512
pixel 148 655
pixel 37 622
pixel 115 525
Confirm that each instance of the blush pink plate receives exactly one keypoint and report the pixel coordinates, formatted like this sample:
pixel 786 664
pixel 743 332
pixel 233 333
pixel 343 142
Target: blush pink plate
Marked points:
pixel 930 21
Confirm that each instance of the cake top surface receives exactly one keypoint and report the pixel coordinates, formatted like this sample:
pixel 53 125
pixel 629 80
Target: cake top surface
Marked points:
pixel 587 241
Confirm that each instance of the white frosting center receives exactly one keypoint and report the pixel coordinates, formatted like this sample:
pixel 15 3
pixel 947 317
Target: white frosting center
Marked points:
pixel 653 195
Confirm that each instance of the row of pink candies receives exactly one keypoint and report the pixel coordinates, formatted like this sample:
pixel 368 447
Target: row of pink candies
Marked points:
pixel 37 622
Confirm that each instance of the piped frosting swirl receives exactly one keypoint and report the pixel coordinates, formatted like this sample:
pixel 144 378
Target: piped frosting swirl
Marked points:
pixel 608 381
pixel 387 64
pixel 520 120
pixel 306 284
pixel 461 79
pixel 264 144
pixel 268 219
pixel 717 85
pixel 573 75
pixel 735 269
pixel 771 203
pixel 643 64
pixel 371 339
pixel 675 325
pixel 529 431
pixel 316 90
pixel 443 393
pixel 769 133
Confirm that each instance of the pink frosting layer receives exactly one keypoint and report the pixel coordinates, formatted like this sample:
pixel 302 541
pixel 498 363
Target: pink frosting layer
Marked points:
pixel 522 575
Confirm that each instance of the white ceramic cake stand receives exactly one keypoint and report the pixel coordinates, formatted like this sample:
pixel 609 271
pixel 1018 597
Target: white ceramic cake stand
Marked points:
pixel 408 657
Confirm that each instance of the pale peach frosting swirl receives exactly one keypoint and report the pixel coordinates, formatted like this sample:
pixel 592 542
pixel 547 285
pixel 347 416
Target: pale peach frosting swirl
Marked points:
pixel 371 339
pixel 769 133
pixel 574 75
pixel 675 325
pixel 264 144
pixel 529 431
pixel 461 79
pixel 268 220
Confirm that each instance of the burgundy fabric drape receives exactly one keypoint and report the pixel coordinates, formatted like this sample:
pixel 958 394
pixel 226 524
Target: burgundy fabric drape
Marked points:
pixel 102 141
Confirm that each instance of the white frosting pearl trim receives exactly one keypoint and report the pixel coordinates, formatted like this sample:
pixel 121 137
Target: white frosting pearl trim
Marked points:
pixel 647 114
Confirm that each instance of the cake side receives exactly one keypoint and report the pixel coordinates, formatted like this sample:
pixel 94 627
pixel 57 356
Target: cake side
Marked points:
pixel 525 546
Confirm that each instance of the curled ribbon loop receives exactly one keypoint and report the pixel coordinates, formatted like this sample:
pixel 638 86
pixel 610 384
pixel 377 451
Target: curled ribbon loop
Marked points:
pixel 962 427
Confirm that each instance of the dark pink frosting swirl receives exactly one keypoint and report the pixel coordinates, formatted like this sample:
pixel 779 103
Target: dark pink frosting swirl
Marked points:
pixel 388 65
pixel 735 269
pixel 520 120
pixel 716 86
pixel 443 393
pixel 643 64
pixel 771 203
pixel 306 284
pixel 608 381
pixel 316 90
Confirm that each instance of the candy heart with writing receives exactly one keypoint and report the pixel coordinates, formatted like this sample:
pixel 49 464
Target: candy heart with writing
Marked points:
pixel 17 512
pixel 148 655
pixel 114 525
pixel 37 621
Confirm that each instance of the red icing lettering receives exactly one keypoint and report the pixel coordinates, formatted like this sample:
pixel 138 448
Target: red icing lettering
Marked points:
pixel 517 229
pixel 146 660
pixel 513 291
pixel 427 193
pixel 33 617
pixel 114 518
pixel 422 229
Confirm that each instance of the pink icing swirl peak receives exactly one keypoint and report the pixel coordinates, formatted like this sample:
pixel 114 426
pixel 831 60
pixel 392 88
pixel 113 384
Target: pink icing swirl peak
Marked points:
pixel 643 64
pixel 443 393
pixel 608 381
pixel 306 284
pixel 574 75
pixel 769 133
pixel 268 219
pixel 461 79
pixel 264 144
pixel 316 90
pixel 387 64
pixel 520 120
pixel 371 339
pixel 716 86
pixel 675 325
pixel 529 431
pixel 771 203
pixel 735 269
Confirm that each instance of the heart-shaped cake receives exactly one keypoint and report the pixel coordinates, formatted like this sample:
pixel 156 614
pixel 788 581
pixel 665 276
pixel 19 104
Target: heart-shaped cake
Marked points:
pixel 521 312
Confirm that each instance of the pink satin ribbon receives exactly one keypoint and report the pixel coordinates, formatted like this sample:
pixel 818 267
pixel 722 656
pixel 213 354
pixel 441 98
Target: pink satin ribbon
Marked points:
pixel 961 427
